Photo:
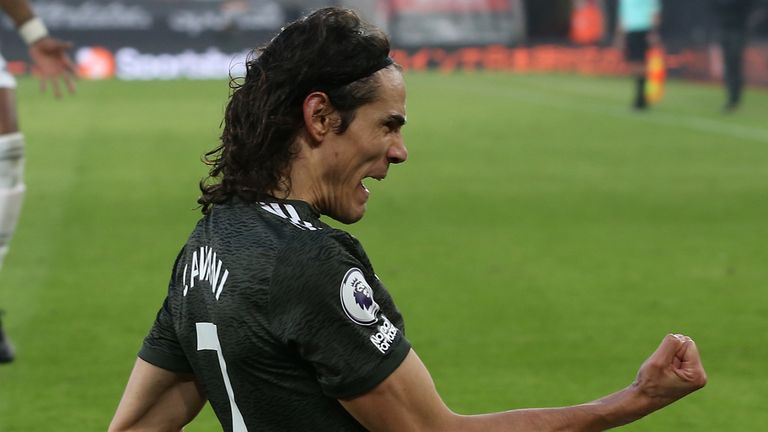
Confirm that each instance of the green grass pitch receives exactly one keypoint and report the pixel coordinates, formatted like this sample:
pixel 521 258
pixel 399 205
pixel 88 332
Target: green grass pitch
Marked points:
pixel 540 241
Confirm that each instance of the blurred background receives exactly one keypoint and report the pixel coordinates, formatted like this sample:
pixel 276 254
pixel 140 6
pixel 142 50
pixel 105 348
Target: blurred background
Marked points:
pixel 167 39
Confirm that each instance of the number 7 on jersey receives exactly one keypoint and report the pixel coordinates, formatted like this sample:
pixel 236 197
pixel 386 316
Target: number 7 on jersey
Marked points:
pixel 208 339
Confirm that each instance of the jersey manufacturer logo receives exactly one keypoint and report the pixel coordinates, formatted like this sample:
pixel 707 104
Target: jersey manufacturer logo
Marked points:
pixel 357 298
pixel 288 212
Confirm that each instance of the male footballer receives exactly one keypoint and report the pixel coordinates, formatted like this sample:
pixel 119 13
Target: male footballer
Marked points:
pixel 276 318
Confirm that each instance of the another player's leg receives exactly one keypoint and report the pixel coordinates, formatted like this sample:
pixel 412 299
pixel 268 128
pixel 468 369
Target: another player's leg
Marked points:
pixel 7 353
pixel 640 101
pixel 11 195
pixel 636 46
pixel 11 187
pixel 733 48
pixel 11 180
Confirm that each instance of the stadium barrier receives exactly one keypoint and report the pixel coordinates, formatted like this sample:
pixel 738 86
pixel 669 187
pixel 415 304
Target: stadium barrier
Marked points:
pixel 181 39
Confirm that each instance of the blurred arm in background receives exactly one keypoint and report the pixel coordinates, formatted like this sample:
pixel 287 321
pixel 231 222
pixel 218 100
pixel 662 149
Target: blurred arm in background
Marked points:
pixel 49 55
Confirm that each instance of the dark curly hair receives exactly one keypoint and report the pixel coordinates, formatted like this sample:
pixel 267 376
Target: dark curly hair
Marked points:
pixel 333 51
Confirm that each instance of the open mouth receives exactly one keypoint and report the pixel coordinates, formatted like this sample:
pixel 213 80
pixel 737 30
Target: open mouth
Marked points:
pixel 362 182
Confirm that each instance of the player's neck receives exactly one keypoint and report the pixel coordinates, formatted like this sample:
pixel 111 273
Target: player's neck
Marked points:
pixel 304 180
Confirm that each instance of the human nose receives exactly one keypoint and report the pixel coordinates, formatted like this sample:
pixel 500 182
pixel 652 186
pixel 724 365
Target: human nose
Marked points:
pixel 397 152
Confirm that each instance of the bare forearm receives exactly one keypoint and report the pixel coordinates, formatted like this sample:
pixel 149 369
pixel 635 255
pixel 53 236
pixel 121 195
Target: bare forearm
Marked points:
pixel 612 411
pixel 170 413
pixel 156 400
pixel 19 10
pixel 407 401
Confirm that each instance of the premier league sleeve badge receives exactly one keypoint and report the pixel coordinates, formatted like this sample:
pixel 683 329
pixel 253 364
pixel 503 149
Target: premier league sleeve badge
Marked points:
pixel 357 298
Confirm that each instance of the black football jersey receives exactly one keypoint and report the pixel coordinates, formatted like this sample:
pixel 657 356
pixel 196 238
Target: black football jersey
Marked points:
pixel 278 315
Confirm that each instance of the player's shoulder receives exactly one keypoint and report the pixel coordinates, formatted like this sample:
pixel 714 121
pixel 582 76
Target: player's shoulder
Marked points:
pixel 322 246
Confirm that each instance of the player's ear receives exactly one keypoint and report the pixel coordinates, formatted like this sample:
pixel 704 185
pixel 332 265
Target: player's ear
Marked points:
pixel 318 115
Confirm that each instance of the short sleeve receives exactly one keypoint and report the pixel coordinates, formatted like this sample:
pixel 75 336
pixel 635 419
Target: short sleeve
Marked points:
pixel 327 302
pixel 161 346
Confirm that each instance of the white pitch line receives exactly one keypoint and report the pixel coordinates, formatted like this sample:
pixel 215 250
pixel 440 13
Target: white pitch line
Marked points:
pixel 695 123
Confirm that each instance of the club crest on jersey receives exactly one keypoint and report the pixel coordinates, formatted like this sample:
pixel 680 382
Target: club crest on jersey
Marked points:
pixel 357 298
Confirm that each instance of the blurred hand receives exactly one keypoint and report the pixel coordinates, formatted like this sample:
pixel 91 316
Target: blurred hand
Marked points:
pixel 672 372
pixel 51 64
